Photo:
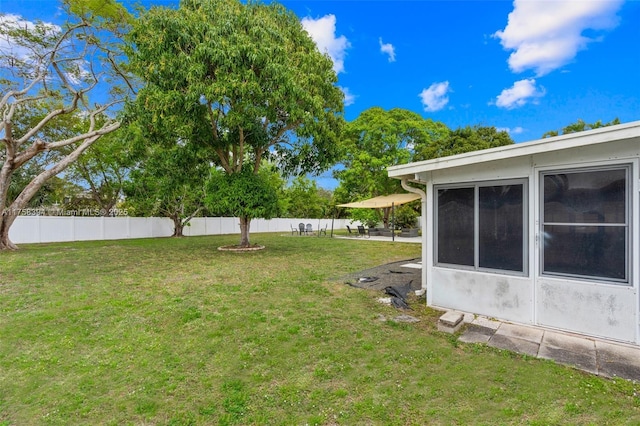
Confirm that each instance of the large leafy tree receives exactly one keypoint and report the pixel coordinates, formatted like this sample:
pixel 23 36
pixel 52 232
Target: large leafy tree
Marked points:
pixel 244 80
pixel 374 141
pixel 464 139
pixel 57 195
pixel 168 180
pixel 244 194
pixel 304 199
pixel 47 74
pixel 103 169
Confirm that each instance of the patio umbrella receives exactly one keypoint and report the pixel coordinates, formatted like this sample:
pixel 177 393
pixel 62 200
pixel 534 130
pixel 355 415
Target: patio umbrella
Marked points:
pixel 384 201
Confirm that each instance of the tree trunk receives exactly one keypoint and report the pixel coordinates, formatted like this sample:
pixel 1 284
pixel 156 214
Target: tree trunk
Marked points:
pixel 178 226
pixel 11 212
pixel 5 224
pixel 106 206
pixel 385 216
pixel 244 231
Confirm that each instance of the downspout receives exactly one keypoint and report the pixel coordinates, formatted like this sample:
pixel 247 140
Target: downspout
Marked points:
pixel 423 218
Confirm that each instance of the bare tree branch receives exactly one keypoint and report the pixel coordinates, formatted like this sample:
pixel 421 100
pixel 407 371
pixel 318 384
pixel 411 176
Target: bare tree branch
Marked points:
pixel 17 93
pixel 102 131
pixel 58 67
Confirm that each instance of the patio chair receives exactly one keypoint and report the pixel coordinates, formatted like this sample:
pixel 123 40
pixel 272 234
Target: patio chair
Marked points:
pixel 294 230
pixel 361 231
pixel 309 229
pixel 350 232
pixel 301 228
pixel 322 231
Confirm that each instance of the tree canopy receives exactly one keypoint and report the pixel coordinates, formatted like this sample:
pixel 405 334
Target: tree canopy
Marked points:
pixel 464 139
pixel 102 169
pixel 580 126
pixel 244 194
pixel 167 180
pixel 303 199
pixel 374 141
pixel 244 80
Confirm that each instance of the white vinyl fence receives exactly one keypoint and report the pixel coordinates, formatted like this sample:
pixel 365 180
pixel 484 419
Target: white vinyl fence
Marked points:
pixel 47 229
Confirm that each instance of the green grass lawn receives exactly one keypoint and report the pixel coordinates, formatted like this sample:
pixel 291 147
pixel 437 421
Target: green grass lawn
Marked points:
pixel 175 332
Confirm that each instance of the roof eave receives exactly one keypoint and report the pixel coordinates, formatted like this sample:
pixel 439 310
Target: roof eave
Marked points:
pixel 572 140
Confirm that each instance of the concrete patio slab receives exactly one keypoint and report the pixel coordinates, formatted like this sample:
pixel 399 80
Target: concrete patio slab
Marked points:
pixel 569 342
pixel 468 318
pixel 585 361
pixel 416 240
pixel 569 350
pixel 514 344
pixel 486 322
pixel 618 360
pixel 590 354
pixel 477 334
pixel 522 332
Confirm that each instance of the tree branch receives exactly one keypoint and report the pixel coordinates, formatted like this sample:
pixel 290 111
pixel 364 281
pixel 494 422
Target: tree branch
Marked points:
pixel 120 72
pixel 224 162
pixel 107 128
pixel 17 93
pixel 240 155
pixel 26 155
pixel 30 190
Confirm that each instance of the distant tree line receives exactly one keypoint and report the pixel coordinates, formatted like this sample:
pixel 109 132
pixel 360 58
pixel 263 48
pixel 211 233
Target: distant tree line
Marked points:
pixel 580 126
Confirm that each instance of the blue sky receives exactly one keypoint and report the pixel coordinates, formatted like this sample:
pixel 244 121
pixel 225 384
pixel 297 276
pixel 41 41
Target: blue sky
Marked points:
pixel 524 66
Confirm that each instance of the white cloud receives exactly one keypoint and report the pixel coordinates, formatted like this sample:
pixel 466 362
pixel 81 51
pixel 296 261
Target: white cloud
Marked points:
pixel 388 49
pixel 323 32
pixel 514 131
pixel 78 72
pixel 73 79
pixel 435 97
pixel 349 98
pixel 520 94
pixel 546 35
pixel 8 45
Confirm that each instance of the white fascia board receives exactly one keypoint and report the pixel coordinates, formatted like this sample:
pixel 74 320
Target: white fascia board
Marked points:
pixel 556 143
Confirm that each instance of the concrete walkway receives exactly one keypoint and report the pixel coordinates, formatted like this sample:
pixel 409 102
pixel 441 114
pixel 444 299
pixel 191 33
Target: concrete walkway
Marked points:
pixel 415 240
pixel 596 356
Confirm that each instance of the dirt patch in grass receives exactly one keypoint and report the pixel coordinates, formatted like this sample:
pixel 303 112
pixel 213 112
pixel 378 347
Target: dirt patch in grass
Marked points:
pixel 395 274
pixel 241 249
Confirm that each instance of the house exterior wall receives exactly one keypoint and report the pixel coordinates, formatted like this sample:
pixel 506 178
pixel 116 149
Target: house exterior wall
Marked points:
pixel 493 295
pixel 591 307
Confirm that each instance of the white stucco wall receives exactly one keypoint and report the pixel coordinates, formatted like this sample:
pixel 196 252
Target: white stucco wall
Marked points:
pixel 493 295
pixel 601 310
